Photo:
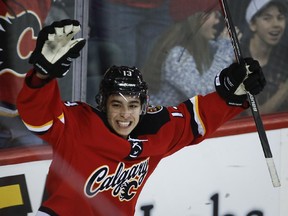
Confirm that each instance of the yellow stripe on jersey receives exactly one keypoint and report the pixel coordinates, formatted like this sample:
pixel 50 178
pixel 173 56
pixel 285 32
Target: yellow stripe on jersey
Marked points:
pixel 44 127
pixel 61 118
pixel 197 118
pixel 40 128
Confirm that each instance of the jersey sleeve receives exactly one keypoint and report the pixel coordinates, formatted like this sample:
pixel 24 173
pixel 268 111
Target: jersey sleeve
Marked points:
pixel 213 112
pixel 198 118
pixel 41 108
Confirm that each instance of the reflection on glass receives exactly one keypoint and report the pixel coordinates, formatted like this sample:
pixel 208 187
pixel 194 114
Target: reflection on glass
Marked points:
pixel 20 23
pixel 189 54
pixel 183 58
pixel 122 33
pixel 178 45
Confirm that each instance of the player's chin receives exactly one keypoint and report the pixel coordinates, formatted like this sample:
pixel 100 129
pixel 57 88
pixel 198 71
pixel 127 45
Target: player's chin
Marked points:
pixel 124 131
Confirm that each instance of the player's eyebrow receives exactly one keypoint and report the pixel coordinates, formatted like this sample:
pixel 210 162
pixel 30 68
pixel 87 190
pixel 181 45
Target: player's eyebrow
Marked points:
pixel 135 101
pixel 132 101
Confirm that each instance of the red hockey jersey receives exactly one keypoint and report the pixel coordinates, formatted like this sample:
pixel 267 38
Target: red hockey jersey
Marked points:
pixel 96 172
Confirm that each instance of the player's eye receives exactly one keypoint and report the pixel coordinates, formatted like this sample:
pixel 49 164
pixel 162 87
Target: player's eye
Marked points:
pixel 134 106
pixel 281 17
pixel 116 105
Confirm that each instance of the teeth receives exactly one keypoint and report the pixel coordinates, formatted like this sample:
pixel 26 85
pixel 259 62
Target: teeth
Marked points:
pixel 123 124
pixel 274 33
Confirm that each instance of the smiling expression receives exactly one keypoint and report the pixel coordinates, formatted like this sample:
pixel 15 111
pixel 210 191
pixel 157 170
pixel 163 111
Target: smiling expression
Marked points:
pixel 123 113
pixel 269 26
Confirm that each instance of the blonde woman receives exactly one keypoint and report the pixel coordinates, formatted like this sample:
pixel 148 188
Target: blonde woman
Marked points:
pixel 189 55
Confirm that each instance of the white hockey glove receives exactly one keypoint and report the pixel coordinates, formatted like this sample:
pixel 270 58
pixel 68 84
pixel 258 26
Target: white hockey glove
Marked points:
pixel 56 48
pixel 233 82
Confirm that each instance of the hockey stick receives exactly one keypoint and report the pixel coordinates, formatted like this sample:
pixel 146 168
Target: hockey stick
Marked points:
pixel 253 103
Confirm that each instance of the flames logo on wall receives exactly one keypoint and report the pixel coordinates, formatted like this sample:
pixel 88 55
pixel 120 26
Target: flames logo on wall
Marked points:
pixel 20 22
pixel 17 42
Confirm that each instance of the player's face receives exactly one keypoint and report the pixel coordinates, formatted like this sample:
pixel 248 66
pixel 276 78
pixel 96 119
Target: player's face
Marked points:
pixel 123 113
pixel 269 26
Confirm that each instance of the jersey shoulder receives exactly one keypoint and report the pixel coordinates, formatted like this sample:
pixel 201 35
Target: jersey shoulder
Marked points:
pixel 153 120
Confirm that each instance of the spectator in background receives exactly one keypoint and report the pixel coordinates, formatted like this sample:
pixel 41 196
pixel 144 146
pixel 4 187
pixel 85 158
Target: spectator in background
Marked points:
pixel 267 20
pixel 122 33
pixel 20 21
pixel 188 55
pixel 132 26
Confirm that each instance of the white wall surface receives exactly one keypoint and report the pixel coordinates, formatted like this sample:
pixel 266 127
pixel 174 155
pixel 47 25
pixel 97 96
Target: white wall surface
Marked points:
pixel 233 167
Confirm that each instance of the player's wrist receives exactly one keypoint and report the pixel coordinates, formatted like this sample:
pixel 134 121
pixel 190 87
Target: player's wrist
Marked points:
pixel 41 75
pixel 35 79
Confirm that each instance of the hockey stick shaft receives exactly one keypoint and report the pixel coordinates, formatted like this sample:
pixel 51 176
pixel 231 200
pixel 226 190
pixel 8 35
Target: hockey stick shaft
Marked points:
pixel 253 103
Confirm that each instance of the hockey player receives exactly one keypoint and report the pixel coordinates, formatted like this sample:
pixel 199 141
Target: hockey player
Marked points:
pixel 103 156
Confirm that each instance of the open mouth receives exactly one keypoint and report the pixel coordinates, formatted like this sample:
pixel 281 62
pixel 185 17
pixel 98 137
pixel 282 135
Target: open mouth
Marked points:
pixel 123 124
pixel 275 33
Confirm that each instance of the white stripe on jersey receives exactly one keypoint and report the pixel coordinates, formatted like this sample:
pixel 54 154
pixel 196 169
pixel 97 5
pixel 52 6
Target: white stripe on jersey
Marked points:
pixel 44 127
pixel 41 128
pixel 197 118
pixel 177 114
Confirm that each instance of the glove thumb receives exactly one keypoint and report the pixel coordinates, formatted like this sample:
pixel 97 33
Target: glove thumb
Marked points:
pixel 76 46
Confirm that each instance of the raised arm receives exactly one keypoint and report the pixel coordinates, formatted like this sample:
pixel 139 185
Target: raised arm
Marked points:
pixel 39 102
pixel 232 85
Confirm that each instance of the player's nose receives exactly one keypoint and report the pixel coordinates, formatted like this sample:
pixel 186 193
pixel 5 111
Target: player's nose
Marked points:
pixel 125 112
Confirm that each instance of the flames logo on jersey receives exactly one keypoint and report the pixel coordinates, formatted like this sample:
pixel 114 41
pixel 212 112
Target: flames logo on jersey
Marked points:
pixel 123 183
